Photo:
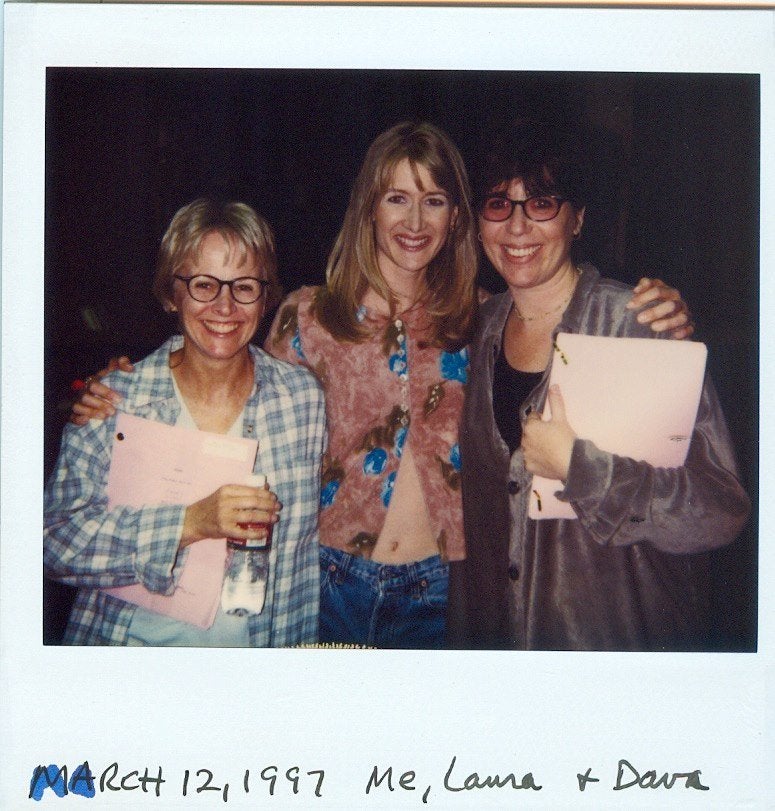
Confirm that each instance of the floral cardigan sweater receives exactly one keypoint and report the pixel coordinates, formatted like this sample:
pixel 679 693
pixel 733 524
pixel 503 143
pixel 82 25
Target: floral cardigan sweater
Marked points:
pixel 380 394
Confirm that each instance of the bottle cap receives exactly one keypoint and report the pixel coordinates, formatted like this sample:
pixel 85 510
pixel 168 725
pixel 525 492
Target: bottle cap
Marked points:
pixel 255 480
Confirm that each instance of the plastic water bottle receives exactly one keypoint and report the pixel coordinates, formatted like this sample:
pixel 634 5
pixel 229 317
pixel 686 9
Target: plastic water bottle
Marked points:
pixel 247 571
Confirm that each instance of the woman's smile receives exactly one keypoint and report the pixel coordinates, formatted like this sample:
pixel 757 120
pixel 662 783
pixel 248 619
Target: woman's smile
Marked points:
pixel 526 252
pixel 410 243
pixel 221 328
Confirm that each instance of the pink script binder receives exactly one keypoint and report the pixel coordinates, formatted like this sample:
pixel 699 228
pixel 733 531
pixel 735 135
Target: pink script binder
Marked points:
pixel 154 463
pixel 634 397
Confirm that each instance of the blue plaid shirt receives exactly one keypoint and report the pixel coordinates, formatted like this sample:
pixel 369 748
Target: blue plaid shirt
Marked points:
pixel 89 546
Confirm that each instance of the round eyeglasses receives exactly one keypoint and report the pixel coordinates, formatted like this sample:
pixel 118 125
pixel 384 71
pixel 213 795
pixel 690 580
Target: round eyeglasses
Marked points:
pixel 244 290
pixel 539 207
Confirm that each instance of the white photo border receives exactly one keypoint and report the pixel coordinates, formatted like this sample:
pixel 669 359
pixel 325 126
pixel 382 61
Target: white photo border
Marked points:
pixel 345 712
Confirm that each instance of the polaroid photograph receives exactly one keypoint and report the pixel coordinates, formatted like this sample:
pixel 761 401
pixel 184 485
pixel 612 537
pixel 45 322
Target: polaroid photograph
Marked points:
pixel 117 118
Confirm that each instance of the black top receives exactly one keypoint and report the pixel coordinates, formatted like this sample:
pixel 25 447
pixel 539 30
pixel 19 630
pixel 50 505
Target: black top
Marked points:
pixel 510 388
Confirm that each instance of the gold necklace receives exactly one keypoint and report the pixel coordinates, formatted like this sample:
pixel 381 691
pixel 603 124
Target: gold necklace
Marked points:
pixel 554 310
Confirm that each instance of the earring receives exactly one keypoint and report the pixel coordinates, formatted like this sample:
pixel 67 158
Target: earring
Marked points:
pixel 479 237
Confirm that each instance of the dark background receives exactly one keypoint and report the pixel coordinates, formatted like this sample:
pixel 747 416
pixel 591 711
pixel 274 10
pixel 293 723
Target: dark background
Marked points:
pixel 677 197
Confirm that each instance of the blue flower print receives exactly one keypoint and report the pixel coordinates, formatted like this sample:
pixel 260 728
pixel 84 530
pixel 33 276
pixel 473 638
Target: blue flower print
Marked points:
pixel 454 456
pixel 375 461
pixel 398 445
pixel 397 363
pixel 454 365
pixel 328 493
pixel 296 344
pixel 387 488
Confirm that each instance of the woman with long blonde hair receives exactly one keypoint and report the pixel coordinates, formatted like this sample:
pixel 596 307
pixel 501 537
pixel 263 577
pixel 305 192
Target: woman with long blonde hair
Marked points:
pixel 386 336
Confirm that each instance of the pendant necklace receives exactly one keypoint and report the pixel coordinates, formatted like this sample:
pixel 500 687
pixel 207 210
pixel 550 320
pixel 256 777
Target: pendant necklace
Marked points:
pixel 554 310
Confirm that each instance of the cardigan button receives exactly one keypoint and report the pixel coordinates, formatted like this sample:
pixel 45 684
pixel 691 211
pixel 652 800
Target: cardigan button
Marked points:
pixel 512 487
pixel 513 572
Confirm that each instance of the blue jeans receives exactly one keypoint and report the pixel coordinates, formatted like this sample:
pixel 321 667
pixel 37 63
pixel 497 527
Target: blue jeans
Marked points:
pixel 371 604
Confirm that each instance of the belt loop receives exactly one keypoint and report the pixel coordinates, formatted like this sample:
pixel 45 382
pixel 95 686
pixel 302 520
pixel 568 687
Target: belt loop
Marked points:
pixel 340 564
pixel 411 572
pixel 343 562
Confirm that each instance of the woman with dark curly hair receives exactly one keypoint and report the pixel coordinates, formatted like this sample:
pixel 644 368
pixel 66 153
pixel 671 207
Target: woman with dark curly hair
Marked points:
pixel 621 574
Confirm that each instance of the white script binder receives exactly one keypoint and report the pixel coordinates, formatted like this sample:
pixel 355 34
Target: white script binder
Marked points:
pixel 634 397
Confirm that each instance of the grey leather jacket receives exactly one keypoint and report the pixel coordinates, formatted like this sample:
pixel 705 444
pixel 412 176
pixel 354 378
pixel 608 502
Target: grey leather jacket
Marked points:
pixel 622 576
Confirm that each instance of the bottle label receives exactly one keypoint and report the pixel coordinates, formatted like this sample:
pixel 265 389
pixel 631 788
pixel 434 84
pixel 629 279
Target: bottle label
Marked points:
pixel 253 543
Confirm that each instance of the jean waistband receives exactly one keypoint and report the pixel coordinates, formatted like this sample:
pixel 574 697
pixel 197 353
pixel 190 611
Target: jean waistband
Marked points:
pixel 374 572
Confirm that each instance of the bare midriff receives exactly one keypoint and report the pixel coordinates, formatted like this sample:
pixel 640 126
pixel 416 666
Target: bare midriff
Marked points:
pixel 406 535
